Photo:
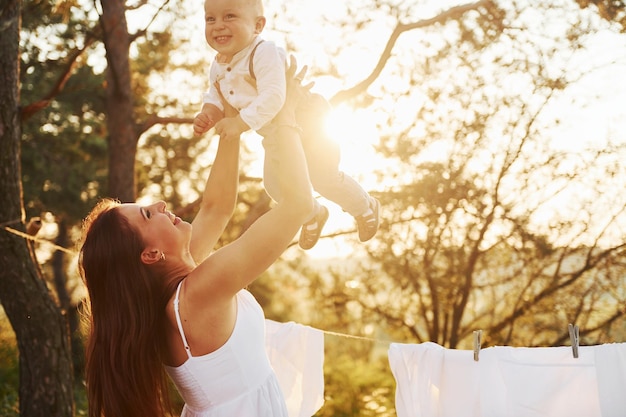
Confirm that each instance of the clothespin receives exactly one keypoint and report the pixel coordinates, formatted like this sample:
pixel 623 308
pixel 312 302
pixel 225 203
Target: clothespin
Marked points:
pixel 477 336
pixel 574 337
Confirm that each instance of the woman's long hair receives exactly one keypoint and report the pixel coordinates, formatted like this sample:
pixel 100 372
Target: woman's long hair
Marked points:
pixel 124 367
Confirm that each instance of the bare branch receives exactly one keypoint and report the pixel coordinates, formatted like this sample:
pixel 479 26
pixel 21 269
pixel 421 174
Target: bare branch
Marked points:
pixel 66 72
pixel 450 14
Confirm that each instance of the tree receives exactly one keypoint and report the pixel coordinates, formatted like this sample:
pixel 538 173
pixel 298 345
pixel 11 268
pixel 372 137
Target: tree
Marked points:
pixel 611 10
pixel 457 238
pixel 464 246
pixel 40 328
pixel 64 143
pixel 122 137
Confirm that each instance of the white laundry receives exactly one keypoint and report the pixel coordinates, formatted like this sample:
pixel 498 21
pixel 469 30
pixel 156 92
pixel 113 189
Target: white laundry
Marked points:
pixel 296 353
pixel 611 374
pixel 538 382
pixel 432 381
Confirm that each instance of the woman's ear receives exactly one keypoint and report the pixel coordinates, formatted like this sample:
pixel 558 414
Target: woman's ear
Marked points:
pixel 150 256
pixel 259 25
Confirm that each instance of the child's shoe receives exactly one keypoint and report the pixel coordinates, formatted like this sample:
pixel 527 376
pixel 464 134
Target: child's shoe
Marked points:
pixel 368 223
pixel 312 230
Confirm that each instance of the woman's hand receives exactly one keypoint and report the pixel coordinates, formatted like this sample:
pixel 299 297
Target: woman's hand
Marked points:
pixel 295 92
pixel 232 125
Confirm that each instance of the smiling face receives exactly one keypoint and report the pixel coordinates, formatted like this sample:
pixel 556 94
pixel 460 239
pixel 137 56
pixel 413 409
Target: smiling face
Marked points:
pixel 160 230
pixel 231 25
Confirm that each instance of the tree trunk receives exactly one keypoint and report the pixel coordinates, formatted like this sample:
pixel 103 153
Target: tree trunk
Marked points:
pixel 41 330
pixel 71 311
pixel 119 102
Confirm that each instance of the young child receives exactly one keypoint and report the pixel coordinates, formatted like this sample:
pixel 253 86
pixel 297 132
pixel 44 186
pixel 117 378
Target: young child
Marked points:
pixel 250 72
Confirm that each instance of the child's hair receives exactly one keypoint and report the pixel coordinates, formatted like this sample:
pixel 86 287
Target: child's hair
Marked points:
pixel 258 5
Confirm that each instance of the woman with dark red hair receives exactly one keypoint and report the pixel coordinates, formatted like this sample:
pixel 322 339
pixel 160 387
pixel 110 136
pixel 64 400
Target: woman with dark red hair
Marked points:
pixel 163 303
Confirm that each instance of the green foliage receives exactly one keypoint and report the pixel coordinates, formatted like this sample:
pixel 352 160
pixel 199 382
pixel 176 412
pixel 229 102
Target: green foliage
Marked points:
pixel 64 143
pixel 65 140
pixel 81 406
pixel 9 370
pixel 356 384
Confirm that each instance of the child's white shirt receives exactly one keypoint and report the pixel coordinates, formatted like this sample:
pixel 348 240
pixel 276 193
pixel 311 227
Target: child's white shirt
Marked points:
pixel 258 101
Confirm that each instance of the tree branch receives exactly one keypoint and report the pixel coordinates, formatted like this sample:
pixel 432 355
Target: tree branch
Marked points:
pixel 451 14
pixel 71 63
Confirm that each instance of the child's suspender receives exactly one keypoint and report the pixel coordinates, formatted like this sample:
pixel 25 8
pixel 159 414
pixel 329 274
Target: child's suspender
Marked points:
pixel 251 60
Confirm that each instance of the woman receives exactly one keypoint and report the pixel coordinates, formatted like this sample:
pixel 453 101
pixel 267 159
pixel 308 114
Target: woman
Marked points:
pixel 161 301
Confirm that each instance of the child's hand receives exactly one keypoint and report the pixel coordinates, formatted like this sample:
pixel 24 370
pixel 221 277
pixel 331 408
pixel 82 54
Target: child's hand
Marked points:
pixel 202 123
pixel 231 126
pixel 206 119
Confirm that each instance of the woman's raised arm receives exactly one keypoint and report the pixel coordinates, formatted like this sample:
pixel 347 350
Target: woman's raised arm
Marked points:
pixel 236 265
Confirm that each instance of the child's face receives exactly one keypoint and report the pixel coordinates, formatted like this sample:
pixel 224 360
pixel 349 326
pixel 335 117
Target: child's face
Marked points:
pixel 230 25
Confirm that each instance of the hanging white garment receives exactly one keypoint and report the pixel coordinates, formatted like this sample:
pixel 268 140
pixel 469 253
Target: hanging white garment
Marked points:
pixel 432 381
pixel 296 353
pixel 538 382
pixel 460 376
pixel 611 374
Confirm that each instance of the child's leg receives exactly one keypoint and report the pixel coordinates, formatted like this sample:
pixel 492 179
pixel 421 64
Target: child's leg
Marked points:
pixel 270 168
pixel 323 157
pixel 312 228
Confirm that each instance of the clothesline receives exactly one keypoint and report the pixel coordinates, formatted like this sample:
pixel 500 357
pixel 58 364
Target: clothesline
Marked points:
pixel 432 380
pixel 71 252
pixel 435 381
pixel 350 336
pixel 35 239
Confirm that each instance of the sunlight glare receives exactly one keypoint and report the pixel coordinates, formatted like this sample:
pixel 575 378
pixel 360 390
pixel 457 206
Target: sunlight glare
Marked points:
pixel 356 134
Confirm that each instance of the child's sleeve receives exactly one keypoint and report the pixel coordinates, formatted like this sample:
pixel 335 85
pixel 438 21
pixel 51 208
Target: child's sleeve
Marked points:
pixel 269 69
pixel 211 96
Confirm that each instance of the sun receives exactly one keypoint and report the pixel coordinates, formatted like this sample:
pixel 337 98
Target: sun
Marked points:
pixel 355 132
